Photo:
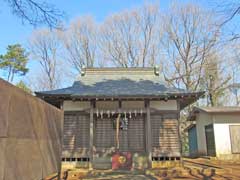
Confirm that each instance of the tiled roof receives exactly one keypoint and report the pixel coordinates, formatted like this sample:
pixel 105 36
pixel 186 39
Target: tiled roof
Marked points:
pixel 213 110
pixel 222 109
pixel 109 82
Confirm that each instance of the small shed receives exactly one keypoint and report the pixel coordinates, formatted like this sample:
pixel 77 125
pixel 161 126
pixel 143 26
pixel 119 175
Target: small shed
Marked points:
pixel 215 132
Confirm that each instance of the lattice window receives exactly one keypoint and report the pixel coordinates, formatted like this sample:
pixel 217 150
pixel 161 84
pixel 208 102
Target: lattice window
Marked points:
pixel 75 132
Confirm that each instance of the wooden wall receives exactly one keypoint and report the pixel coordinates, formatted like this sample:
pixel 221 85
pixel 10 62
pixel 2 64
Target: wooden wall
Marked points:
pixel 165 137
pixel 104 135
pixel 75 135
pixel 164 127
pixel 132 139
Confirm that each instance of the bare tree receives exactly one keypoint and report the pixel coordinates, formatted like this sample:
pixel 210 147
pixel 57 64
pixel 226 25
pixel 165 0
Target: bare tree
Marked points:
pixel 80 42
pixel 44 47
pixel 215 79
pixel 190 37
pixel 130 38
pixel 36 13
pixel 234 69
pixel 228 22
pixel 234 89
pixel 229 8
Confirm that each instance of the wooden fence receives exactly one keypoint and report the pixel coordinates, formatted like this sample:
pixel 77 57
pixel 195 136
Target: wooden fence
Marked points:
pixel 30 135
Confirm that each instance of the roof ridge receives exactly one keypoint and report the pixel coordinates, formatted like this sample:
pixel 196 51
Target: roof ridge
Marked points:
pixel 119 68
pixel 117 72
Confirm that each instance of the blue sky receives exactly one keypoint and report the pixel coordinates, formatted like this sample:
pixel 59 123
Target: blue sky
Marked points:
pixel 14 31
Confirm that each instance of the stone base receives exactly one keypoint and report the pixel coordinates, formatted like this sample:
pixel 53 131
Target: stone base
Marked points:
pixel 165 164
pixel 74 165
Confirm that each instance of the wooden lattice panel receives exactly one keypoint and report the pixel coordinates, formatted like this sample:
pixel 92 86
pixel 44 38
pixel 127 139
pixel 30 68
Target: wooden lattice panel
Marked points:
pixel 76 135
pixel 165 137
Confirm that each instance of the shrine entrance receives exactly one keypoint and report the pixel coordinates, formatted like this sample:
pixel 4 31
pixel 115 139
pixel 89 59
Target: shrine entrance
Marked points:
pixel 123 135
pixel 131 134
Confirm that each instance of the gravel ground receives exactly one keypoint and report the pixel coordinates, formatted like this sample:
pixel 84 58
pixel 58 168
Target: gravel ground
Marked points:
pixel 194 169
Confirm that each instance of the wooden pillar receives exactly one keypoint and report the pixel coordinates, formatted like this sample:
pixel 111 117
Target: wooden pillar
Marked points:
pixel 91 136
pixel 179 133
pixel 61 142
pixel 148 134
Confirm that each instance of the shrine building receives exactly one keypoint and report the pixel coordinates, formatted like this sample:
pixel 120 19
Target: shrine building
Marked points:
pixel 120 118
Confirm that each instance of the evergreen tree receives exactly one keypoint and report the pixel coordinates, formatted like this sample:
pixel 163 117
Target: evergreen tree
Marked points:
pixel 14 61
pixel 23 86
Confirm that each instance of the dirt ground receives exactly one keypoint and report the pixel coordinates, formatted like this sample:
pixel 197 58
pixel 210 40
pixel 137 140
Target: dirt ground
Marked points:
pixel 192 169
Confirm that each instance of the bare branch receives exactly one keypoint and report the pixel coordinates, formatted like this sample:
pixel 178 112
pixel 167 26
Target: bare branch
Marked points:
pixel 80 42
pixel 36 13
pixel 131 38
pixel 44 47
pixel 189 38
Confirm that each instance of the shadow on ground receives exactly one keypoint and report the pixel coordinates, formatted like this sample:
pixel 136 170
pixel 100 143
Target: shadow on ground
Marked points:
pixel 198 169
pixel 123 177
pixel 109 175
pixel 204 174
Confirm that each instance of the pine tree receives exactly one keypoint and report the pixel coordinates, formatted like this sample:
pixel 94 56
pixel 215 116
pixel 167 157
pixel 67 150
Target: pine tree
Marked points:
pixel 24 87
pixel 14 61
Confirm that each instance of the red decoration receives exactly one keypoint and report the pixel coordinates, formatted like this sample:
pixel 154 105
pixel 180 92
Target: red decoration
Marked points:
pixel 122 161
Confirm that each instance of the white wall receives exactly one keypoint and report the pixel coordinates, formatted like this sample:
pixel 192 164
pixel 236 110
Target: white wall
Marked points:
pixel 202 120
pixel 107 105
pixel 164 105
pixel 82 105
pixel 222 133
pixel 133 104
pixel 75 105
pixel 222 139
pixel 221 124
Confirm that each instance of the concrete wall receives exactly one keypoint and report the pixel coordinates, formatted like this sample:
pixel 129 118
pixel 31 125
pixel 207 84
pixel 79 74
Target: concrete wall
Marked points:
pixel 222 134
pixel 202 120
pixel 30 135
